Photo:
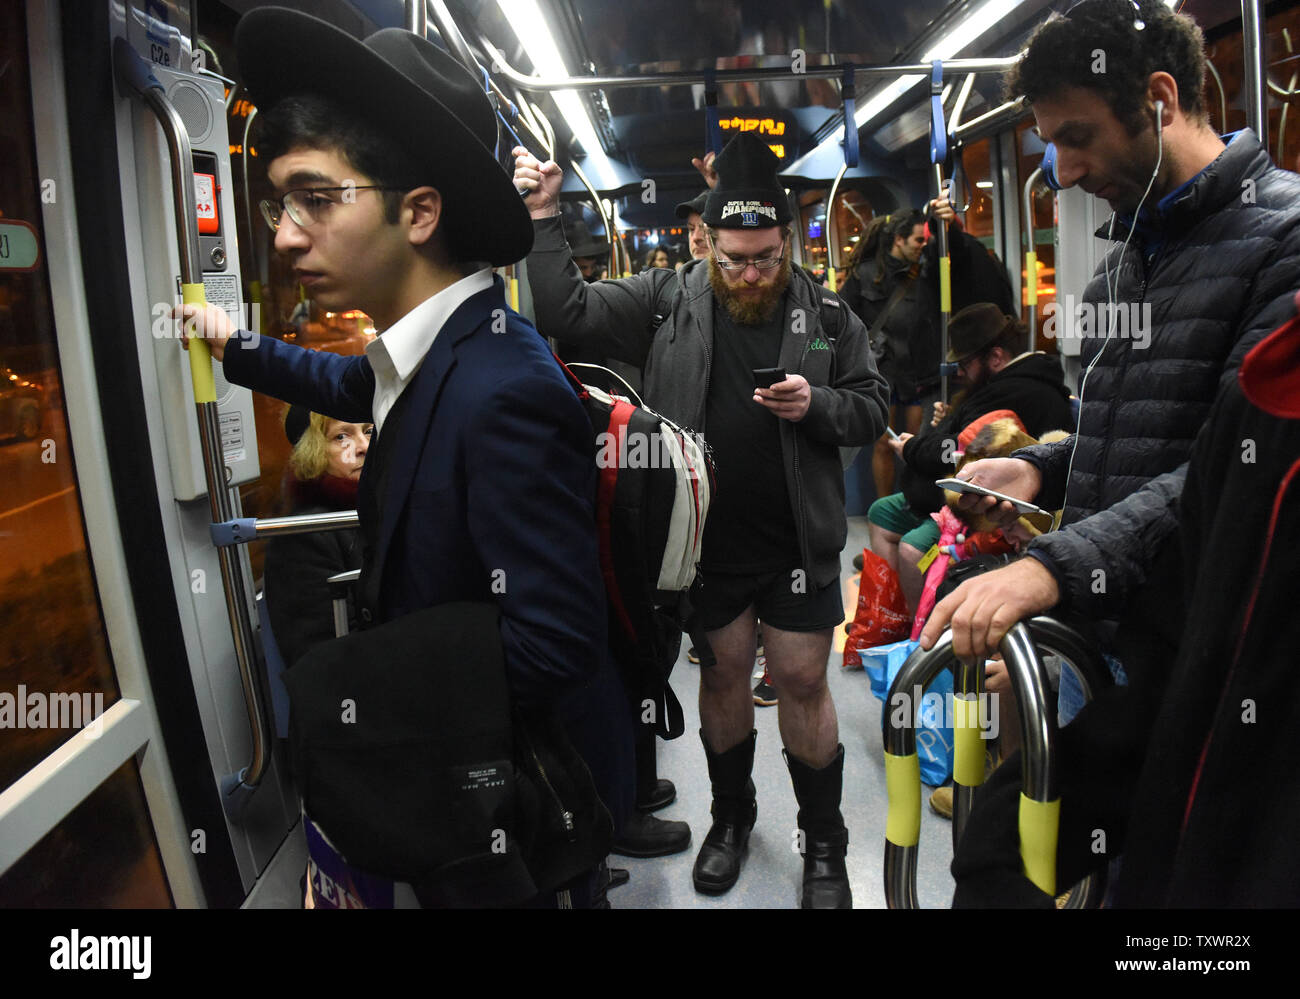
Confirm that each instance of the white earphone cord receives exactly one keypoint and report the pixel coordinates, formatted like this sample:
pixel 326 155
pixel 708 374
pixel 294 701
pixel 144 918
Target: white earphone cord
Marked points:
pixel 1112 294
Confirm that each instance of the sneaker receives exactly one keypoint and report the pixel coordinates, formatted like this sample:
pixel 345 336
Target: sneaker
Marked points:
pixel 692 655
pixel 764 692
pixel 941 801
pixel 760 666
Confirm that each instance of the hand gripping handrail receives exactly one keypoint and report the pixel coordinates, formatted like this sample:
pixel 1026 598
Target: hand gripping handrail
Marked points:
pixel 135 79
pixel 1039 800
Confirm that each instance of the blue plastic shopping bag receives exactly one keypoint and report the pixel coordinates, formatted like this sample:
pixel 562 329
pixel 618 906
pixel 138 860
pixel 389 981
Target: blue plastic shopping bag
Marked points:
pixel 934 732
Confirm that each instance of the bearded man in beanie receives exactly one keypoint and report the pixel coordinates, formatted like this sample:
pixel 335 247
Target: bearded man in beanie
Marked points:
pixel 776 525
pixel 480 485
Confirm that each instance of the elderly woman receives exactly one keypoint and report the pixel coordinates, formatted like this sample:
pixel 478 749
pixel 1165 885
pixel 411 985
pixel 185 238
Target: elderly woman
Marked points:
pixel 323 474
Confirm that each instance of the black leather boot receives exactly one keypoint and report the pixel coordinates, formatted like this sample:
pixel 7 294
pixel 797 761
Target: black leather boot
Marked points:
pixel 644 835
pixel 734 810
pixel 826 839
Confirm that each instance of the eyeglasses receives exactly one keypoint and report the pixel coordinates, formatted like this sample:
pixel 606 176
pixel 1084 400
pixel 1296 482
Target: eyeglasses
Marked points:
pixel 306 206
pixel 735 266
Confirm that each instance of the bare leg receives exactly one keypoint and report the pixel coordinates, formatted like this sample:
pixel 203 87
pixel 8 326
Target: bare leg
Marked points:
pixel 726 701
pixel 882 462
pixel 806 713
pixel 884 543
pixel 910 577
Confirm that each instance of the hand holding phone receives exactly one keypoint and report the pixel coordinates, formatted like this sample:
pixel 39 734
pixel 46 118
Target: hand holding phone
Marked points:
pixel 962 486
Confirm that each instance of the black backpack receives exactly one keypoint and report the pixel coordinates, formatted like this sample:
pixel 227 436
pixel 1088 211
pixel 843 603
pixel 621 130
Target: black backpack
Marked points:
pixel 656 479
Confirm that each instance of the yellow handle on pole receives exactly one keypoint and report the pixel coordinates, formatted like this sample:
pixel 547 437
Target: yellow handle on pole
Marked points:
pixel 945 284
pixel 1031 278
pixel 903 786
pixel 1040 822
pixel 205 388
pixel 968 746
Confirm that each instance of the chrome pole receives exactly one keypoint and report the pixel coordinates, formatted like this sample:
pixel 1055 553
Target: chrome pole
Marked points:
pixel 1252 84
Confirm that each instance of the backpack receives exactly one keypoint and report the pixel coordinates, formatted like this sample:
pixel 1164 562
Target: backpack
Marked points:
pixel 655 482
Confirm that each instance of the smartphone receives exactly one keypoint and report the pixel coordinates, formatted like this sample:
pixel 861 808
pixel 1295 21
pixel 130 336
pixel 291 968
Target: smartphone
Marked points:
pixel 890 431
pixel 962 486
pixel 767 377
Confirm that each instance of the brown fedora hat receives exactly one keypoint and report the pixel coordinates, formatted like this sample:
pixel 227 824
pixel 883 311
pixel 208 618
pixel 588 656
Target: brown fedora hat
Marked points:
pixel 408 89
pixel 974 328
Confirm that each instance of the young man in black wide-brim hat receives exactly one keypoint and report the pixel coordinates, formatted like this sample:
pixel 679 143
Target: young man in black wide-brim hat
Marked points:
pixel 480 485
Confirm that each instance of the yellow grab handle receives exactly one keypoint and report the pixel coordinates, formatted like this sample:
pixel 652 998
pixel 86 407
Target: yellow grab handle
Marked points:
pixel 1031 278
pixel 205 388
pixel 255 296
pixel 1040 822
pixel 945 284
pixel 903 785
pixel 968 749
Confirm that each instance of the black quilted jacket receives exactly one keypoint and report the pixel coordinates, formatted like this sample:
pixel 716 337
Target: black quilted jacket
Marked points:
pixel 1218 268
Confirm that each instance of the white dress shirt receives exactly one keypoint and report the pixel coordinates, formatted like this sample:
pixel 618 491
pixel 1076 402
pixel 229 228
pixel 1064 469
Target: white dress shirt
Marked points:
pixel 396 354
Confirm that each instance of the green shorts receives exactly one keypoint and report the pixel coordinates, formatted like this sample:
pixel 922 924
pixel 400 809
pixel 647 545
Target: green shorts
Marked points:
pixel 893 514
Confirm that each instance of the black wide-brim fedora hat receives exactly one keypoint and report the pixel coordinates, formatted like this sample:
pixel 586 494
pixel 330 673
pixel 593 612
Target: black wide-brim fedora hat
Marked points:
pixel 407 88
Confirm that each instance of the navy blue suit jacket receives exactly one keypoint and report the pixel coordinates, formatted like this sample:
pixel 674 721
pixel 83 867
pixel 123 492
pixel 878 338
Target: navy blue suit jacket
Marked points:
pixel 491 486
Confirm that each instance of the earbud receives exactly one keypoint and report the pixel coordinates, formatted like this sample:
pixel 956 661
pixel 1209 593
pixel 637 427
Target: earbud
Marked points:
pixel 1160 117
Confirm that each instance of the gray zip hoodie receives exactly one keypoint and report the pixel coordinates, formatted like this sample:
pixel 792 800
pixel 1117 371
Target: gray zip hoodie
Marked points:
pixel 662 322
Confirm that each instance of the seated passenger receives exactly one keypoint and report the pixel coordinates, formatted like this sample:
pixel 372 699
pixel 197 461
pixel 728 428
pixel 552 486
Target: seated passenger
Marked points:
pixel 323 474
pixel 893 286
pixel 996 373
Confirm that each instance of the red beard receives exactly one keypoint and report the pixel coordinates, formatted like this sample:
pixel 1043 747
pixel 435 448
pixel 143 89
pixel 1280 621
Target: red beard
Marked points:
pixel 749 308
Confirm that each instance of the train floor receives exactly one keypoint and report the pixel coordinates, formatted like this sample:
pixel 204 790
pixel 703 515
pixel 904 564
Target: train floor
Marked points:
pixel 771 876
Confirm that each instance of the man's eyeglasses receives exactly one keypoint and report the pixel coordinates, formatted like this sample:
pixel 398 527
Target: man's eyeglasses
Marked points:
pixel 307 205
pixel 736 266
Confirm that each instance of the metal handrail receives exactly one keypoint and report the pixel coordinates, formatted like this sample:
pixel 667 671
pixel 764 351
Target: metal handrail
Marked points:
pixel 136 80
pixel 689 77
pixel 1040 803
pixel 1031 258
pixel 1252 79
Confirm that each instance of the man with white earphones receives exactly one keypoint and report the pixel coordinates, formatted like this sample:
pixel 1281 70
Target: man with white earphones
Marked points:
pixel 1206 233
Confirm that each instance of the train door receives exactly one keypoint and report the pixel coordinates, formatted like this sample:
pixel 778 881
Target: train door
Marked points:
pixel 111 596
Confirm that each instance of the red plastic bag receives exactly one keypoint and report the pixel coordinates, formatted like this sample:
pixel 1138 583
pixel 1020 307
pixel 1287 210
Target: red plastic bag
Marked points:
pixel 882 615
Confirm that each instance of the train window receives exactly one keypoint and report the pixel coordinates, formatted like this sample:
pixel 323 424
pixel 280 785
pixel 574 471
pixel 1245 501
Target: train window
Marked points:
pixel 977 193
pixel 845 225
pixel 1223 82
pixel 1029 155
pixel 56 673
pixel 101 856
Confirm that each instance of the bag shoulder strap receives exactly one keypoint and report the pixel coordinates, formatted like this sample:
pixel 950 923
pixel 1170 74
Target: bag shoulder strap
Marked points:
pixel 894 299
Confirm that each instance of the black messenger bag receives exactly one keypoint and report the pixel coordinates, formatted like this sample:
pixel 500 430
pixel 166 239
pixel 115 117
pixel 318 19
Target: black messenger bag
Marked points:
pixel 410 759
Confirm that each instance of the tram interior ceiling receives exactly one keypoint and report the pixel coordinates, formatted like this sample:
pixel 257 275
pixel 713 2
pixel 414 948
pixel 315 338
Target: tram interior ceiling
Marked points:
pixel 624 96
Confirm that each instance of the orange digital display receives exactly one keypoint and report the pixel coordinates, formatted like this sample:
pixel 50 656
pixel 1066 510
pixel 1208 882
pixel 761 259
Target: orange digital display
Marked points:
pixel 205 202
